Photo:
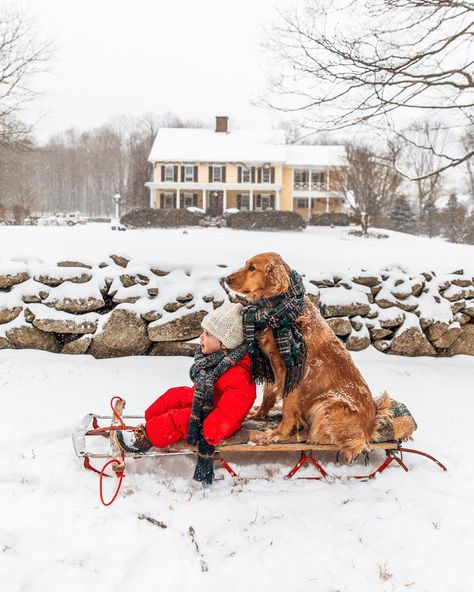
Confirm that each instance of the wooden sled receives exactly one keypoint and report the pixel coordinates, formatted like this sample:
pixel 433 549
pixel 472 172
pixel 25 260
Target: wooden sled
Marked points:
pixel 239 442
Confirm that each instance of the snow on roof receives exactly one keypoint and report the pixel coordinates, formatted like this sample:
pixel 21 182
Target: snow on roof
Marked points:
pixel 206 145
pixel 246 146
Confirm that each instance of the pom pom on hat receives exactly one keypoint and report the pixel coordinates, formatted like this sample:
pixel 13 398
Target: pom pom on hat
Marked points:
pixel 226 324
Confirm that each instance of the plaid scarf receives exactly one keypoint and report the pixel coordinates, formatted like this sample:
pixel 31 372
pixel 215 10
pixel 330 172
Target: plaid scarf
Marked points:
pixel 279 314
pixel 204 373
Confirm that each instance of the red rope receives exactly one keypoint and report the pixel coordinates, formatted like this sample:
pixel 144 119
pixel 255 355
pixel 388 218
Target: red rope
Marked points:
pixel 119 474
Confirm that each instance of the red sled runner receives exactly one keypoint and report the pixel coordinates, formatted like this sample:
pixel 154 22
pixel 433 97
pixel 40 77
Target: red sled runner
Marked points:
pixel 239 442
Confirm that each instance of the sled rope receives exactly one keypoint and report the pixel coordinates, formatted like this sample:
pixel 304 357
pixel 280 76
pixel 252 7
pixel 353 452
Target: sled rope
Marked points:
pixel 119 474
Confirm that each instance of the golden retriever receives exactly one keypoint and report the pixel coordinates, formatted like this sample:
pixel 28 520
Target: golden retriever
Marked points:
pixel 332 401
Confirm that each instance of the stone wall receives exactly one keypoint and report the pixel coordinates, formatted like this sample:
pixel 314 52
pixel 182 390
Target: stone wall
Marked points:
pixel 120 307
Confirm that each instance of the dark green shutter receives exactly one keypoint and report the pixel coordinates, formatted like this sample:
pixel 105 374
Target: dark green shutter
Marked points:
pixel 162 200
pixel 175 173
pixel 195 200
pixel 253 174
pixel 210 174
pixel 182 173
pixel 272 175
pixel 162 172
pixel 223 174
pixel 239 174
pixel 259 175
pixel 195 174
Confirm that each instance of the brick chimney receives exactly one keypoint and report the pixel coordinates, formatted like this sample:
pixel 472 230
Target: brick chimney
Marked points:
pixel 221 123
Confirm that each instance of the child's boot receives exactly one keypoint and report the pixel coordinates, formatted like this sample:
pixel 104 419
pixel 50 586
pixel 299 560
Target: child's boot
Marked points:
pixel 135 442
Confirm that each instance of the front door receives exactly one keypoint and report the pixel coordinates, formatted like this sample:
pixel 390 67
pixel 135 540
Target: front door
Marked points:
pixel 216 203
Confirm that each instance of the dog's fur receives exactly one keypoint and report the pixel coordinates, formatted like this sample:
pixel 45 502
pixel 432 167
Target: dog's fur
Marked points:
pixel 333 401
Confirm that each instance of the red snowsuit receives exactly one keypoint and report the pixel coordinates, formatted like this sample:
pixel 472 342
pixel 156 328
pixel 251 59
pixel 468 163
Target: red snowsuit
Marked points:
pixel 168 417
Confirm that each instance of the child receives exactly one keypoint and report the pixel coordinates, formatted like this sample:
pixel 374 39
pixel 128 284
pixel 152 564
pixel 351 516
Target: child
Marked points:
pixel 215 406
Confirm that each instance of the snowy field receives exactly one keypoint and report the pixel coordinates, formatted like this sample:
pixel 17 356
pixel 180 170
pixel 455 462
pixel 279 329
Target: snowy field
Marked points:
pixel 314 249
pixel 399 532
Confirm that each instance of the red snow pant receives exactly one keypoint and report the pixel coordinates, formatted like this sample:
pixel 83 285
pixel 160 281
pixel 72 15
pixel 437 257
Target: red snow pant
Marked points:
pixel 167 418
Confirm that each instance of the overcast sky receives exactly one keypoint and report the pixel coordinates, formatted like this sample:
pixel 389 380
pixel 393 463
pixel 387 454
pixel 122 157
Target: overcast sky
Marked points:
pixel 197 59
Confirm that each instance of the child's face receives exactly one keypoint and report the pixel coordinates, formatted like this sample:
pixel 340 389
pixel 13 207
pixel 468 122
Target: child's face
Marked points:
pixel 209 343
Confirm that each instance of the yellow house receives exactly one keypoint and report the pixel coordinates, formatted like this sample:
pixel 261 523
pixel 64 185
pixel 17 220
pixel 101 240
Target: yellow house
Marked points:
pixel 216 170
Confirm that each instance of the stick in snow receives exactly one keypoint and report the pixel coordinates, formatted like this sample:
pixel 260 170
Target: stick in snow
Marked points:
pixel 192 534
pixel 152 520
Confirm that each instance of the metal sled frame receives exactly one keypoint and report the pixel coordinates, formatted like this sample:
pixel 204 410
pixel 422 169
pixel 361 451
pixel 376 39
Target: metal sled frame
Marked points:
pixel 308 452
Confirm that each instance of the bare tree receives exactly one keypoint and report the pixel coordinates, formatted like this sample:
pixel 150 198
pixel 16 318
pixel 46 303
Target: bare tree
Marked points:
pixel 349 63
pixel 421 164
pixel 22 56
pixel 368 183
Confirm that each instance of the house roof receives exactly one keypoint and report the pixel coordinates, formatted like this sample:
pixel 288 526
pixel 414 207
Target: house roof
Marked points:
pixel 239 145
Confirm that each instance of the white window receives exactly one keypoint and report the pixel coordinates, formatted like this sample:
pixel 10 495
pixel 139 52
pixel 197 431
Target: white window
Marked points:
pixel 169 172
pixel 318 180
pixel 267 202
pixel 189 174
pixel 217 174
pixel 266 175
pixel 243 201
pixel 246 175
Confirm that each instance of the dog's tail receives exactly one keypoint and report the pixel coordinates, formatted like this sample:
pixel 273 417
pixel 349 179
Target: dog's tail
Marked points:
pixel 383 416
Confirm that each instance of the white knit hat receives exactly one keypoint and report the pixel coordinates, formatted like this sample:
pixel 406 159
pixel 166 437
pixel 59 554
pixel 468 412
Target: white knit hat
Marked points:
pixel 226 324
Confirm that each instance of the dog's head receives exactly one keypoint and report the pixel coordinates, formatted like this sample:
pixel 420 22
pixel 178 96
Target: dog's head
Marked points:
pixel 263 276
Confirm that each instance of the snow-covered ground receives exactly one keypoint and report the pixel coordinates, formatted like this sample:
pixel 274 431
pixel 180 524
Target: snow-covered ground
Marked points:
pixel 402 531
pixel 399 532
pixel 314 249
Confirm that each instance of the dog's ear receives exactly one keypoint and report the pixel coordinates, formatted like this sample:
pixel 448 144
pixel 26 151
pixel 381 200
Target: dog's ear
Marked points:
pixel 277 277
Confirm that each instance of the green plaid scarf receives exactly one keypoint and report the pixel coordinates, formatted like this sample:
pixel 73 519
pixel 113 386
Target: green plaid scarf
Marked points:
pixel 204 373
pixel 279 314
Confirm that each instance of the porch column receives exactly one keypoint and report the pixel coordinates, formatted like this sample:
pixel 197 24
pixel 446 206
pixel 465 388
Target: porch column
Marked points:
pixel 278 200
pixel 204 204
pixel 327 180
pixel 327 204
pixel 251 200
pixel 310 178
pixel 152 197
pixel 309 209
pixel 178 199
pixel 224 202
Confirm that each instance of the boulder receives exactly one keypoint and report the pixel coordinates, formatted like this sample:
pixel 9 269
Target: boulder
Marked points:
pixel 409 306
pixel 66 325
pixel 411 342
pixel 172 306
pixel 6 343
pixel 151 315
pixel 417 289
pixel 123 334
pixel 8 280
pixel 53 280
pixel 462 282
pixel 436 330
pixel 173 348
pixel 119 260
pixel 73 264
pixel 449 337
pixel 458 306
pixel 366 280
pixel 469 308
pixel 153 292
pixel 391 322
pixel 184 298
pixel 462 318
pixel 159 272
pixel 358 341
pixel 125 299
pixel 181 329
pixel 377 333
pixel 129 280
pixel 468 292
pixel 77 305
pixel 29 337
pixel 10 313
pixel 382 345
pixel 464 344
pixel 340 325
pixel 344 310
pixel 77 346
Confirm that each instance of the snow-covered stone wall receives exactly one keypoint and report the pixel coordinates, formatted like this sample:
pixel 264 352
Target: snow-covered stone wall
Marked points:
pixel 122 307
